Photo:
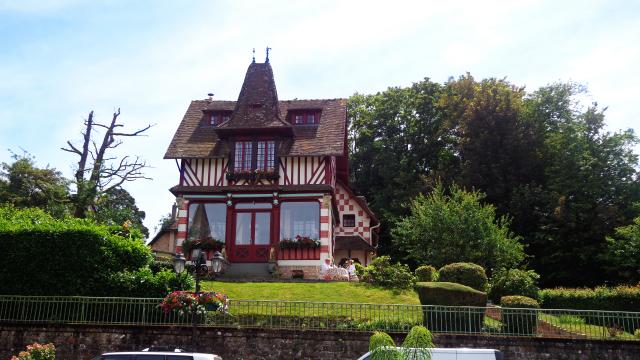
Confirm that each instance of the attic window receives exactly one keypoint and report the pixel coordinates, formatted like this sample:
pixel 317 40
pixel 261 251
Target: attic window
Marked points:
pixel 305 117
pixel 348 220
pixel 217 118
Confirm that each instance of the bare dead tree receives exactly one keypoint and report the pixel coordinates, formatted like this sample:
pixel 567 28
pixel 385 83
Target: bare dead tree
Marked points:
pixel 98 173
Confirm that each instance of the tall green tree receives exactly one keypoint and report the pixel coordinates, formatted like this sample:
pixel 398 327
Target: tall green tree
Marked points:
pixel 117 207
pixel 23 185
pixel 624 251
pixel 452 227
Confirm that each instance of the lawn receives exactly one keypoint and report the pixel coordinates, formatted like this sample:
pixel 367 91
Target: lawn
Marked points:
pixel 314 292
pixel 577 325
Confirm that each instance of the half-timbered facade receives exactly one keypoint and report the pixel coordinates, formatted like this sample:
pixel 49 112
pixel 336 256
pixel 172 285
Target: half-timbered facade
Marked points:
pixel 267 180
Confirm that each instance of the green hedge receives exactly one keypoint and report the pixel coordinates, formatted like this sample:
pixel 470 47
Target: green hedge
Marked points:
pixel 469 274
pixel 426 273
pixel 517 318
pixel 48 256
pixel 383 273
pixel 620 298
pixel 451 294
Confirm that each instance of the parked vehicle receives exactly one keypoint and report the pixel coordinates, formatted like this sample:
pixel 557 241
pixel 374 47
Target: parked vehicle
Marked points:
pixel 453 354
pixel 157 353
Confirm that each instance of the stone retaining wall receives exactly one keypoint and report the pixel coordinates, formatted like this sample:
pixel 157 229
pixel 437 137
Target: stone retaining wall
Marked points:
pixel 85 342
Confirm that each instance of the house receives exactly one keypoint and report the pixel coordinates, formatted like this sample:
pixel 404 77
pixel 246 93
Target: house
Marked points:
pixel 267 180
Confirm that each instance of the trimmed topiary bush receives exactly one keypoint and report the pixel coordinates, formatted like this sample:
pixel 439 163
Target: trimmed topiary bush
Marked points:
pixel 514 282
pixel 451 294
pixel 383 273
pixel 382 347
pixel 469 274
pixel 519 315
pixel 425 273
pixel 417 344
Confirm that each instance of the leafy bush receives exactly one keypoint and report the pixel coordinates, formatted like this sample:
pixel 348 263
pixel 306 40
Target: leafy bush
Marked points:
pixel 144 283
pixel 360 270
pixel 382 347
pixel 451 294
pixel 454 225
pixel 158 265
pixel 418 337
pixel 514 282
pixel 380 339
pixel 425 273
pixel 637 333
pixel 469 274
pixel 383 273
pixel 65 257
pixel 517 319
pixel 37 351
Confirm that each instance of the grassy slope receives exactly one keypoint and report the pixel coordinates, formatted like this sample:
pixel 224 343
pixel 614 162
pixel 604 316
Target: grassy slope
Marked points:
pixel 321 292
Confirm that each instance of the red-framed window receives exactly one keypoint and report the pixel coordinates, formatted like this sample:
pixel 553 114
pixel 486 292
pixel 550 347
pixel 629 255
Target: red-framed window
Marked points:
pixel 243 156
pixel 263 158
pixel 348 220
pixel 266 156
pixel 305 117
pixel 217 118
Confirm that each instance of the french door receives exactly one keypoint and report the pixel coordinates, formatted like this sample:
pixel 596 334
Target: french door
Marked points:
pixel 251 236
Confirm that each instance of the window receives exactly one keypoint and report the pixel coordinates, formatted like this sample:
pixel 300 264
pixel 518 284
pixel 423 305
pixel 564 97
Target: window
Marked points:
pixel 243 156
pixel 207 221
pixel 300 219
pixel 264 159
pixel 306 117
pixel 217 118
pixel 348 220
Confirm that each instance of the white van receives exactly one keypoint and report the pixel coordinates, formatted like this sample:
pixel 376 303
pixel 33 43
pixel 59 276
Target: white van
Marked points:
pixel 454 354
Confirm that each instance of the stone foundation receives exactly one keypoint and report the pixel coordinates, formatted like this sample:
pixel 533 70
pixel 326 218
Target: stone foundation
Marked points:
pixel 85 342
pixel 310 272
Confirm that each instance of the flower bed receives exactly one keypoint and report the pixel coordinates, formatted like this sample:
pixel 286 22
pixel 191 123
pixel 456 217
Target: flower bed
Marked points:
pixel 187 302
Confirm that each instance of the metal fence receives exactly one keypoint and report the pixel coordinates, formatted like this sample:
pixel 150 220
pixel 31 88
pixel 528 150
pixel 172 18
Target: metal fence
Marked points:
pixel 587 324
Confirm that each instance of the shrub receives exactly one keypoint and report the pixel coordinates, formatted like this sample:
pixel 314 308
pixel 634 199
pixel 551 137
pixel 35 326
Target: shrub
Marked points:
pixel 517 318
pixel 469 274
pixel 37 351
pixel 637 333
pixel 619 298
pixel 418 337
pixel 144 283
pixel 383 273
pixel 514 282
pixel 64 257
pixel 360 270
pixel 382 347
pixel 425 273
pixel 158 265
pixel 451 294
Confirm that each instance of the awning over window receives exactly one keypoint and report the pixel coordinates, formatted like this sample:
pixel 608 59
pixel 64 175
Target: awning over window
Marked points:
pixel 352 242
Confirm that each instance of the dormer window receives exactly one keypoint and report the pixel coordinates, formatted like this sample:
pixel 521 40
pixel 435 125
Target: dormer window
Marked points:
pixel 217 118
pixel 305 117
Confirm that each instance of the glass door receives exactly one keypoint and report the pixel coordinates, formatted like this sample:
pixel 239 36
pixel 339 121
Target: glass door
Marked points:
pixel 252 235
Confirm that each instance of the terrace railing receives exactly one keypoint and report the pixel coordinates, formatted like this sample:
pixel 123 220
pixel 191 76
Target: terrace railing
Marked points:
pixel 490 321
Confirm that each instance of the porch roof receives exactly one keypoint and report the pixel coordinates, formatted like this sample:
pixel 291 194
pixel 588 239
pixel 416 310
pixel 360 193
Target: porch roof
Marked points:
pixel 352 242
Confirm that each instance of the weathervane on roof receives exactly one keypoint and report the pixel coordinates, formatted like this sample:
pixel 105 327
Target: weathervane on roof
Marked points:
pixel 254 55
pixel 268 48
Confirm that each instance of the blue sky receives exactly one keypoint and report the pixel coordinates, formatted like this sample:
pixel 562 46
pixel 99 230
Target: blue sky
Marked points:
pixel 59 59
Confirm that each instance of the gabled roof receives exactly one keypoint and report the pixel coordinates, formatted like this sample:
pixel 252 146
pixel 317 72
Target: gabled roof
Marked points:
pixel 258 110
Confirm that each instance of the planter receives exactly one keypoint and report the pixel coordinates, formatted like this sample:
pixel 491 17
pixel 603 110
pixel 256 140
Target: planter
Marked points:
pixel 299 254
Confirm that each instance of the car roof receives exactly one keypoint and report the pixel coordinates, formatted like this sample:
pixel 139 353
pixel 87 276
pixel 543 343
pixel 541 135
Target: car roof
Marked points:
pixel 157 353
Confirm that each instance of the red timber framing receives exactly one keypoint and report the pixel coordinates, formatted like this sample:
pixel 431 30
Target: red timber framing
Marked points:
pixel 306 170
pixel 203 172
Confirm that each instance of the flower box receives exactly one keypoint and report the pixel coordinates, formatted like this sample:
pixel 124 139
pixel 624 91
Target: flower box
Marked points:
pixel 253 175
pixel 299 254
